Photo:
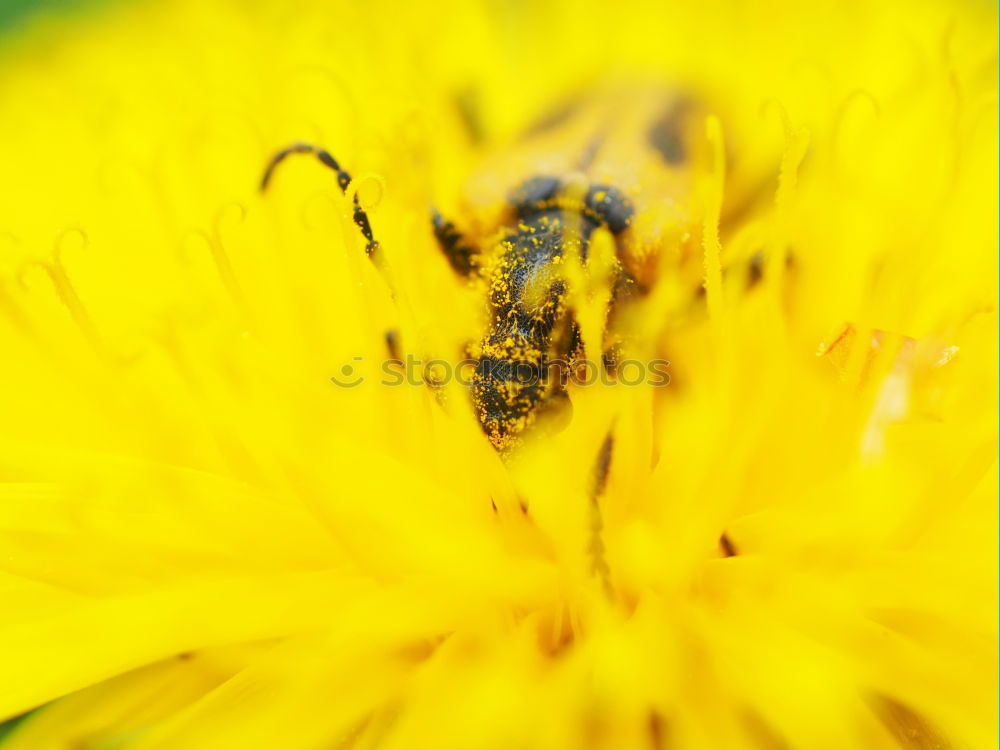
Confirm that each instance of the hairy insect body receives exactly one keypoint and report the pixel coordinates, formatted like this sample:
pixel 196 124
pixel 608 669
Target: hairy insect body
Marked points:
pixel 532 336
pixel 620 162
pixel 526 331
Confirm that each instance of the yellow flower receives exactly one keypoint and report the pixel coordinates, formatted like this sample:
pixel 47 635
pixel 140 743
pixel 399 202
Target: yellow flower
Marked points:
pixel 206 543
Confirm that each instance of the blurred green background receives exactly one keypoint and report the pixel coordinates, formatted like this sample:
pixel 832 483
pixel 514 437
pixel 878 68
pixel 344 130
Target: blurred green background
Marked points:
pixel 14 13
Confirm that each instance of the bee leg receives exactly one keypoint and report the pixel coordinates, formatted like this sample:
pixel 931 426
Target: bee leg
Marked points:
pixel 460 252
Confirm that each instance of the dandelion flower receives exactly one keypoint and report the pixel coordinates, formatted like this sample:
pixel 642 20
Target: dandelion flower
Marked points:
pixel 205 543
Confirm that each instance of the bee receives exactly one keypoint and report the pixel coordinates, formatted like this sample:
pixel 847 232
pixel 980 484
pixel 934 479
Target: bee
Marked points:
pixel 620 162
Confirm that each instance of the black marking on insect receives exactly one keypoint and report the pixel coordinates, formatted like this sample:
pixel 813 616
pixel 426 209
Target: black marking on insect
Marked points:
pixel 590 152
pixel 554 118
pixel 666 134
pixel 531 324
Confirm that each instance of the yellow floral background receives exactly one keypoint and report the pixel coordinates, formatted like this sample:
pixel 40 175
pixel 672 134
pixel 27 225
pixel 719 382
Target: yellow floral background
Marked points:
pixel 205 544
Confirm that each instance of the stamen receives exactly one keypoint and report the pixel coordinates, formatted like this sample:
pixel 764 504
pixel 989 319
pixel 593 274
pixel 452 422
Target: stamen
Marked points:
pixel 598 561
pixel 223 265
pixel 7 304
pixel 713 210
pixel 796 145
pixel 64 288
